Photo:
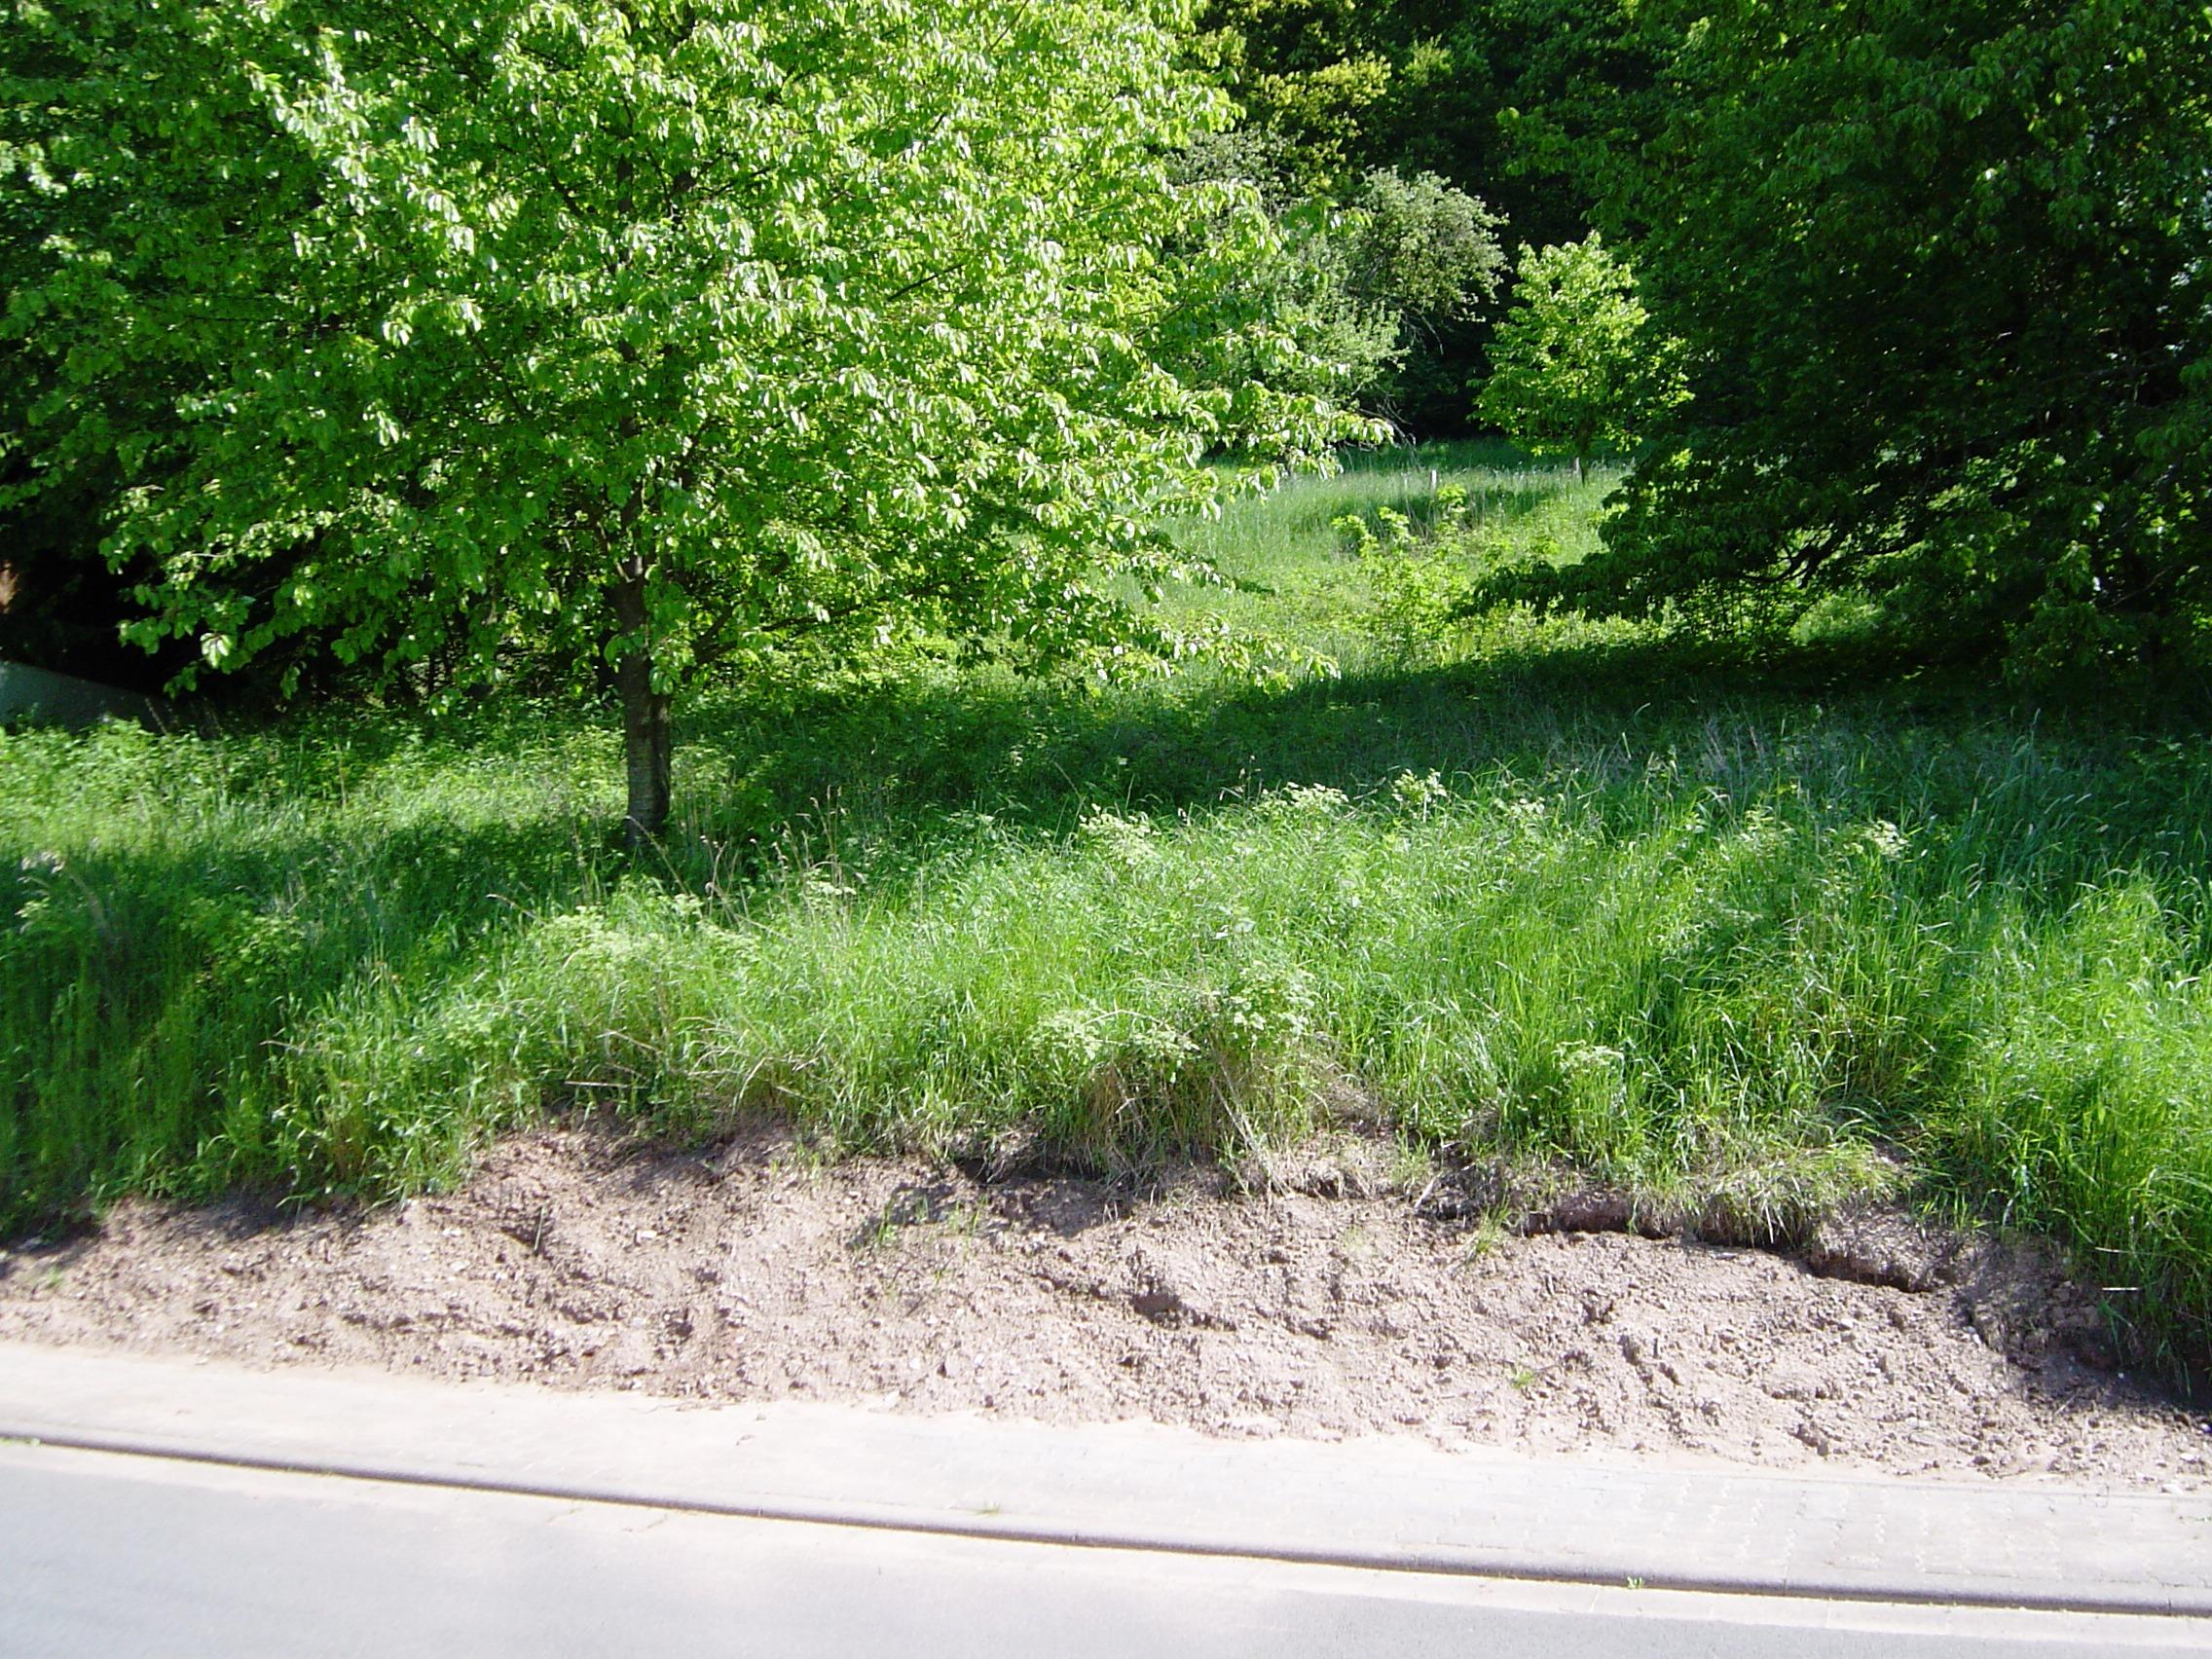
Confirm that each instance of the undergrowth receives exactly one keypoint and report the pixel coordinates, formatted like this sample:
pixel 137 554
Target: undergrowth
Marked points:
pixel 1748 931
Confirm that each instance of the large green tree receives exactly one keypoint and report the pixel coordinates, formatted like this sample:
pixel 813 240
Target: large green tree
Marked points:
pixel 653 331
pixel 1945 276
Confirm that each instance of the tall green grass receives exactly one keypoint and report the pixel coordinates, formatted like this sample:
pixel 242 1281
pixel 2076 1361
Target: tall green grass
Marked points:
pixel 1747 934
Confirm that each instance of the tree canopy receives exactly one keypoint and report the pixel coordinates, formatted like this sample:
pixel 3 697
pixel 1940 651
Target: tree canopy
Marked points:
pixel 1497 99
pixel 1368 282
pixel 1945 278
pixel 656 331
pixel 656 334
pixel 1573 366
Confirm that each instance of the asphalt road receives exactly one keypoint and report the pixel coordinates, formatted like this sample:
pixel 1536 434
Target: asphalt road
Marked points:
pixel 110 1553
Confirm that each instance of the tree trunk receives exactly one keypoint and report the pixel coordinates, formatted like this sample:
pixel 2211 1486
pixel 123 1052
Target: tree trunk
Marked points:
pixel 646 749
pixel 1578 466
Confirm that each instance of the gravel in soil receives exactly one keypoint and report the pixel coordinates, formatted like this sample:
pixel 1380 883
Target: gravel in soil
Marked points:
pixel 1330 1307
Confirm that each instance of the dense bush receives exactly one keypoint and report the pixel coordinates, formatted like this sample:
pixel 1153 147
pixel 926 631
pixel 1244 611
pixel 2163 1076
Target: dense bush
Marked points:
pixel 1942 273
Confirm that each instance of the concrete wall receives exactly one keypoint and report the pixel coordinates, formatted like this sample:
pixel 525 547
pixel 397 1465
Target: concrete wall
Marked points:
pixel 31 696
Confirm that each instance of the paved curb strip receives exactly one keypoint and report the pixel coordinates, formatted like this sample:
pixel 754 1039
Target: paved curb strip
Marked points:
pixel 1380 1504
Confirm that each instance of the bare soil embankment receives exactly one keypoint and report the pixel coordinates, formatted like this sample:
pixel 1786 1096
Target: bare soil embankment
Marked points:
pixel 1334 1308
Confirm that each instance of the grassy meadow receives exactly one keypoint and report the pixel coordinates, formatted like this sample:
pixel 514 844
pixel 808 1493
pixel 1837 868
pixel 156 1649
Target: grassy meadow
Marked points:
pixel 1748 930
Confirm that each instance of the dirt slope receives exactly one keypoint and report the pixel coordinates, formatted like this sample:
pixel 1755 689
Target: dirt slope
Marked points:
pixel 579 1261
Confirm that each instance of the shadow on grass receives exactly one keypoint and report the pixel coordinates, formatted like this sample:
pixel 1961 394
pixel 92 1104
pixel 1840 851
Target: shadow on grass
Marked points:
pixel 151 987
pixel 1622 722
pixel 148 994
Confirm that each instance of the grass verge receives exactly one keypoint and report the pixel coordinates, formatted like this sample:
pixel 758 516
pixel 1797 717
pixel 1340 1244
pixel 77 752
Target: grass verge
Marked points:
pixel 1749 934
